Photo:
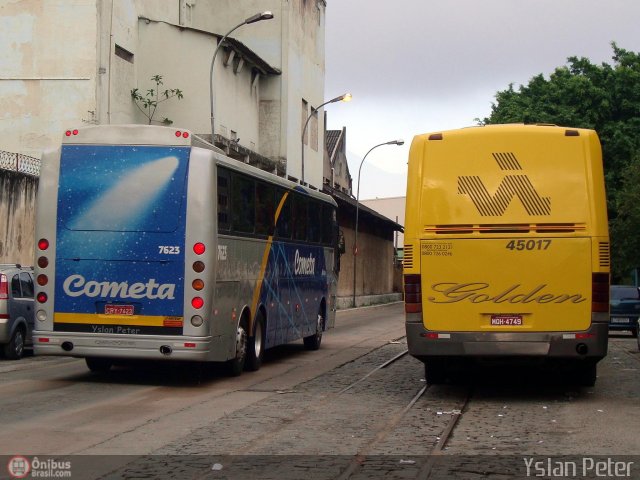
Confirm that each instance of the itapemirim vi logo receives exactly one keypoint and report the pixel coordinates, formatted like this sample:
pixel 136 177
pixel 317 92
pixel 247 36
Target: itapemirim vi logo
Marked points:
pixel 511 186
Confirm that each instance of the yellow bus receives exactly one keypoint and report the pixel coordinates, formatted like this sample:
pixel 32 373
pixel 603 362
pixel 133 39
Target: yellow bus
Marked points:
pixel 507 248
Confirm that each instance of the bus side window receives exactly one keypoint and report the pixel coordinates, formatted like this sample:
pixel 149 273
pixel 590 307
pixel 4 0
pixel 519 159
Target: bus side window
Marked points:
pixel 242 204
pixel 223 200
pixel 265 208
pixel 328 221
pixel 300 218
pixel 283 226
pixel 315 222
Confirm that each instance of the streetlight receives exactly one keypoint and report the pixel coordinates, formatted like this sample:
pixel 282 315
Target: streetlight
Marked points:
pixel 355 241
pixel 342 98
pixel 253 19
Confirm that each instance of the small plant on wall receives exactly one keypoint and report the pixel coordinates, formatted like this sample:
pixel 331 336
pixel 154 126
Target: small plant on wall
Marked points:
pixel 148 103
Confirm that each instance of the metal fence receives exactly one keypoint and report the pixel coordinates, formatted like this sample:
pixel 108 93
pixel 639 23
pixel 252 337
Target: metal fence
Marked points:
pixel 17 162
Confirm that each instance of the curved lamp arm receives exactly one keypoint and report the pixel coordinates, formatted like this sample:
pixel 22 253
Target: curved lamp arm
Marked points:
pixel 342 98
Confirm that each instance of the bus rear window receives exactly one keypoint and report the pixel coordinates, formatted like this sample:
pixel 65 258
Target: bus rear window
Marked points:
pixel 122 188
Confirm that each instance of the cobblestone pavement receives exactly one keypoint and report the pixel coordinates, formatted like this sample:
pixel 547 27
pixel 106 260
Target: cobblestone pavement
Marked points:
pixel 331 427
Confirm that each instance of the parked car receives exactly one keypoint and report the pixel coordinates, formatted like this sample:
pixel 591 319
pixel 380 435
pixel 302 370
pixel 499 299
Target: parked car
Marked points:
pixel 16 309
pixel 624 308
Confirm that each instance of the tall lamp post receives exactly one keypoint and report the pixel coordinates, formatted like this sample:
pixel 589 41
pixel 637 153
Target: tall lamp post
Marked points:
pixel 342 98
pixel 253 19
pixel 355 241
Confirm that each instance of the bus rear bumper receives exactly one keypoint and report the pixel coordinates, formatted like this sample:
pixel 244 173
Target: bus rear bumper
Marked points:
pixel 590 344
pixel 129 347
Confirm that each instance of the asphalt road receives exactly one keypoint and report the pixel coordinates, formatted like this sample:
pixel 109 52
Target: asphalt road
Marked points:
pixel 327 410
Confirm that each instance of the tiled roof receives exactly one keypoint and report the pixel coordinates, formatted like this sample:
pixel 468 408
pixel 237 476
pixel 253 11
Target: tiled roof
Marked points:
pixel 331 141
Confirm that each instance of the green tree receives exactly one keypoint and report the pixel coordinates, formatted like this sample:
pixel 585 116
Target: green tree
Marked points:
pixel 605 98
pixel 148 104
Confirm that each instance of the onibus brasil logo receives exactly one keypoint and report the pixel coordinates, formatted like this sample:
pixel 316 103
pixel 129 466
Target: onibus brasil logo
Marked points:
pixel 21 467
pixel 511 186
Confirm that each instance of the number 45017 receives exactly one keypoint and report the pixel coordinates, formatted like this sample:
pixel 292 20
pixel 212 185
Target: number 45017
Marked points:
pixel 528 244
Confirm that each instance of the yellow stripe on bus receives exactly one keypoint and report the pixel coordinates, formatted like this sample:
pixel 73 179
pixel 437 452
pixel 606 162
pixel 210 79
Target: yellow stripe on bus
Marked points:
pixel 265 257
pixel 99 319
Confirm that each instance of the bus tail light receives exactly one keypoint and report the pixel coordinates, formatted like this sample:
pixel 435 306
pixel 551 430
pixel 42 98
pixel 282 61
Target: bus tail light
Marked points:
pixel 412 294
pixel 199 248
pixel 4 287
pixel 197 303
pixel 43 244
pixel 42 280
pixel 198 267
pixel 600 292
pixel 436 336
pixel 42 297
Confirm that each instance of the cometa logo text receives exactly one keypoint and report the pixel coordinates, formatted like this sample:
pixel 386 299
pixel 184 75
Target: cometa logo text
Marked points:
pixel 77 286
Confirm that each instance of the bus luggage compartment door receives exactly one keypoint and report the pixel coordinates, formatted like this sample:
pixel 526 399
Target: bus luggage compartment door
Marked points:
pixel 506 284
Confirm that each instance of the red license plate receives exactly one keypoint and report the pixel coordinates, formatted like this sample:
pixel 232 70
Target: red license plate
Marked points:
pixel 118 309
pixel 506 320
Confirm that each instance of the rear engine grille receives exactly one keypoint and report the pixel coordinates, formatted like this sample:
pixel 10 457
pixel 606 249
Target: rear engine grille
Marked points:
pixel 407 261
pixel 604 255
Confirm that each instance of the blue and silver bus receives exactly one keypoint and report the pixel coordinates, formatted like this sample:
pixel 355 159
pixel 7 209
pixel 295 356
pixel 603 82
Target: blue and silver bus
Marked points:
pixel 152 244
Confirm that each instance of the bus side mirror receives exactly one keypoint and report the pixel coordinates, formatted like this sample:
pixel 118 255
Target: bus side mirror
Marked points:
pixel 341 243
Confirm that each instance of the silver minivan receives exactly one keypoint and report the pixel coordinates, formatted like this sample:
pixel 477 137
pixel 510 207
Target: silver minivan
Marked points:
pixel 16 309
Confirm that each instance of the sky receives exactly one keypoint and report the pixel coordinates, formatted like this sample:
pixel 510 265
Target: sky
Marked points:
pixel 419 66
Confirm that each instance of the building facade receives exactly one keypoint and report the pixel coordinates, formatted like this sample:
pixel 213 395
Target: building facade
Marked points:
pixel 65 64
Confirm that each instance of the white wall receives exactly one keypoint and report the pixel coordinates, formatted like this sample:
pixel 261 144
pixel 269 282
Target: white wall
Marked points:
pixel 47 75
pixel 293 41
pixel 59 69
pixel 183 58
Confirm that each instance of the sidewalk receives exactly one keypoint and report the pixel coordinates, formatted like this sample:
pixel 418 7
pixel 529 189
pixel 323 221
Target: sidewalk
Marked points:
pixel 343 303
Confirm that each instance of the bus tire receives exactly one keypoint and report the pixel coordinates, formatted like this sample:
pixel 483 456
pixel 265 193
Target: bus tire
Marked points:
pixel 586 374
pixel 312 342
pixel 255 345
pixel 235 366
pixel 98 364
pixel 435 371
pixel 15 348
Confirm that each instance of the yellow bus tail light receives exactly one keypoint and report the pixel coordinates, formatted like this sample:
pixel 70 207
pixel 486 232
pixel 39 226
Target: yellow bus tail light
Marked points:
pixel 600 292
pixel 412 294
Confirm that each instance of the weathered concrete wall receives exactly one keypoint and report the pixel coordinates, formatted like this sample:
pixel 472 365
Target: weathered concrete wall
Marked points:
pixel 374 270
pixel 47 71
pixel 17 217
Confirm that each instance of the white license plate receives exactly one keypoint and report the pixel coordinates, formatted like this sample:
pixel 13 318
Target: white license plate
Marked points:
pixel 507 320
pixel 620 320
pixel 118 309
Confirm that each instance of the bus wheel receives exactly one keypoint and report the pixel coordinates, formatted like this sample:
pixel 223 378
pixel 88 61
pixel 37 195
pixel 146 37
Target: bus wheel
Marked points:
pixel 255 345
pixel 435 371
pixel 586 374
pixel 312 342
pixel 98 365
pixel 236 365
